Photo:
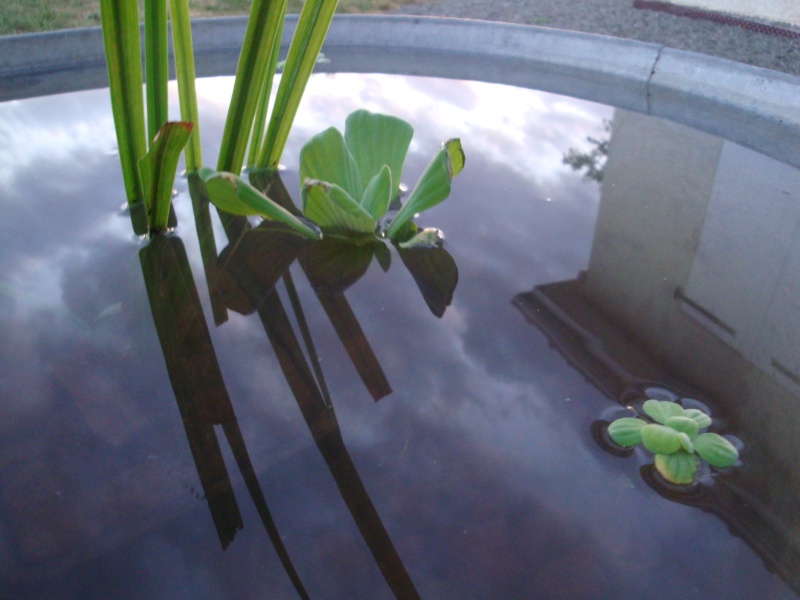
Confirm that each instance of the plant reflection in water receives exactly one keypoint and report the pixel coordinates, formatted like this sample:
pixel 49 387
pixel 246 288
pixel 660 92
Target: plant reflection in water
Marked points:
pixel 243 278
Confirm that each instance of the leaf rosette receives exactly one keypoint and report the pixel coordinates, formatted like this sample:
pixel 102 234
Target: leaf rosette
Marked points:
pixel 348 181
pixel 675 439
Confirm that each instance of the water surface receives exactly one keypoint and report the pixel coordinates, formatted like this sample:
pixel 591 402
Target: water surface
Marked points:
pixel 454 457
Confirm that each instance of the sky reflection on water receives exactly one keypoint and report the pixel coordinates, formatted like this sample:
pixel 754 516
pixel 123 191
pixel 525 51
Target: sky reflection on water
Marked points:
pixel 480 463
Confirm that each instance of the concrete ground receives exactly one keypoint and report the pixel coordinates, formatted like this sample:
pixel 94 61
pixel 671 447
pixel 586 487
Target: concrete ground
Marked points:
pixel 780 11
pixel 747 40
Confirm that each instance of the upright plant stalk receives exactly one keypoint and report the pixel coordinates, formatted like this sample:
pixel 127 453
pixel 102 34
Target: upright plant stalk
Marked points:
pixel 156 64
pixel 185 74
pixel 263 25
pixel 260 122
pixel 158 168
pixel 312 26
pixel 120 24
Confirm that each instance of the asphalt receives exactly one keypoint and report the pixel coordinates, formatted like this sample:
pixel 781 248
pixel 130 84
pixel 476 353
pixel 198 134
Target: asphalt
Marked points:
pixel 776 46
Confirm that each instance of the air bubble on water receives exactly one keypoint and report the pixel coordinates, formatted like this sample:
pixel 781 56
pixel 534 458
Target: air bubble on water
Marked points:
pixel 659 393
pixel 694 403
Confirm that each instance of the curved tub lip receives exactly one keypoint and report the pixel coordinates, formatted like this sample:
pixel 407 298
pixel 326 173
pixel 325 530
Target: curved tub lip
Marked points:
pixel 755 107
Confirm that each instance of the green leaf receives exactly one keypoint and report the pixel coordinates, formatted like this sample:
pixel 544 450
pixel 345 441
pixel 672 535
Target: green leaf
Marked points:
pixel 232 194
pixel 262 108
pixel 683 424
pixel 158 171
pixel 698 416
pixel 659 439
pixel 679 467
pixel 376 140
pixel 332 208
pixel 156 64
pixel 325 157
pixel 406 233
pixel 626 431
pixel 263 26
pixel 661 410
pixel 686 442
pixel 120 23
pixel 378 194
pixel 716 450
pixel 312 26
pixel 456 154
pixel 432 187
pixel 430 237
pixel 185 76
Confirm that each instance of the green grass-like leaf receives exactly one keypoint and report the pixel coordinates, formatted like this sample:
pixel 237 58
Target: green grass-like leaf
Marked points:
pixel 312 26
pixel 156 64
pixel 158 171
pixel 185 75
pixel 120 24
pixel 264 24
pixel 262 108
pixel 230 193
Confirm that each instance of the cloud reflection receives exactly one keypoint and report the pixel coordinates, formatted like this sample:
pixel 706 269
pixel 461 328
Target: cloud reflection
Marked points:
pixel 479 464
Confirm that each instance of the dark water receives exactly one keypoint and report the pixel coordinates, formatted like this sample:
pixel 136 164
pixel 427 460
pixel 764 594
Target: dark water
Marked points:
pixel 476 473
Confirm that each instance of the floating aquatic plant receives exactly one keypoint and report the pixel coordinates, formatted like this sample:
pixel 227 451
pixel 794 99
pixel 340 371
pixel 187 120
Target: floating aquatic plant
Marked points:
pixel 348 181
pixel 676 438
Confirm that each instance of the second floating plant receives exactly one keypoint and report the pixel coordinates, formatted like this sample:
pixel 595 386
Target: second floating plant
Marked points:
pixel 677 439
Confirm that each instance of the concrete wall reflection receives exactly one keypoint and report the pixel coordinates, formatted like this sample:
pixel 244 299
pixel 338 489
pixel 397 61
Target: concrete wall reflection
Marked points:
pixel 694 281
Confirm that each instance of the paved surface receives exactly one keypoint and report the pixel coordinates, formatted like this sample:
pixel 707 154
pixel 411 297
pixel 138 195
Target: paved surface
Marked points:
pixel 785 11
pixel 619 18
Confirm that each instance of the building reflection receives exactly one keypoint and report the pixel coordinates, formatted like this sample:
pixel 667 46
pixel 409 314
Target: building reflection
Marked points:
pixel 694 284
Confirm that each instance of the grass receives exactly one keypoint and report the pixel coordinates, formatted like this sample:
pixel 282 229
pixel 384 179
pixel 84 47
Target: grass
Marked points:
pixel 26 16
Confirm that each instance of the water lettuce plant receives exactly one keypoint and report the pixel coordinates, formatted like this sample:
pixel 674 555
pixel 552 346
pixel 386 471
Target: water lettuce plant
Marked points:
pixel 349 181
pixel 677 438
